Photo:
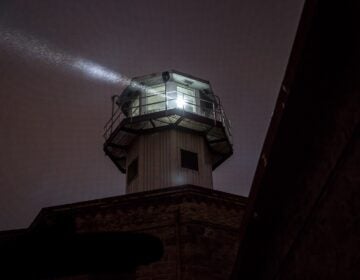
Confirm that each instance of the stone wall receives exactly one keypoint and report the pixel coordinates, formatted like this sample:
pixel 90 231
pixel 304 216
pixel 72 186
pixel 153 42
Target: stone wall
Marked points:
pixel 198 228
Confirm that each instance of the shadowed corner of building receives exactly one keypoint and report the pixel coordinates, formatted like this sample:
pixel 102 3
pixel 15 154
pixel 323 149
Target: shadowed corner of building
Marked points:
pixel 49 253
pixel 302 217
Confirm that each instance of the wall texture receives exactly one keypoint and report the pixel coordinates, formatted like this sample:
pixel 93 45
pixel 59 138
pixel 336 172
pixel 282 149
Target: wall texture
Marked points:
pixel 198 227
pixel 302 220
pixel 160 162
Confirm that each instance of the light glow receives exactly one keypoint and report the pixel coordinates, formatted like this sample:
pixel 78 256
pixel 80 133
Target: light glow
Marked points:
pixel 96 71
pixel 28 46
pixel 180 102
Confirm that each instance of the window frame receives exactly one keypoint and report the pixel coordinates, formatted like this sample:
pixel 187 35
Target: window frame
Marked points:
pixel 150 102
pixel 186 160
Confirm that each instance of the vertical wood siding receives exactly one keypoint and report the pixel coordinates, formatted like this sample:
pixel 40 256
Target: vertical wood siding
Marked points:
pixel 160 161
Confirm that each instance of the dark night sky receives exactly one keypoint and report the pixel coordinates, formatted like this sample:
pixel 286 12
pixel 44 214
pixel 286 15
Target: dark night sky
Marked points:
pixel 52 116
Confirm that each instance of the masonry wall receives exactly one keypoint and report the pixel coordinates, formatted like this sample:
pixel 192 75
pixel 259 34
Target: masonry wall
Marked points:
pixel 198 228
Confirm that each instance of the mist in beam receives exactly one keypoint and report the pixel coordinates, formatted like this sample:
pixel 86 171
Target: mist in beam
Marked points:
pixel 28 46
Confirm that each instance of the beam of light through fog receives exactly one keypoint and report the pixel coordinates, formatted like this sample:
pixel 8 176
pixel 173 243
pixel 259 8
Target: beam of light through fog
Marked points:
pixel 28 46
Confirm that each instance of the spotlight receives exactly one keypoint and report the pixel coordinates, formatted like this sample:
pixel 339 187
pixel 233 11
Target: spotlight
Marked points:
pixel 180 102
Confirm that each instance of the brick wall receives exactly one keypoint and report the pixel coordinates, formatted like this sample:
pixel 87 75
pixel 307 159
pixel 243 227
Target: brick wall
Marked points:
pixel 198 228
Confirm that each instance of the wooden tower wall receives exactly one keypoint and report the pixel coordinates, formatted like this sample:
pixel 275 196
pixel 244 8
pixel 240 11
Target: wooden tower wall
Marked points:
pixel 159 161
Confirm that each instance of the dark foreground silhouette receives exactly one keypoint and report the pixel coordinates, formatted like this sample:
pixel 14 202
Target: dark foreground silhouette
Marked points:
pixel 41 256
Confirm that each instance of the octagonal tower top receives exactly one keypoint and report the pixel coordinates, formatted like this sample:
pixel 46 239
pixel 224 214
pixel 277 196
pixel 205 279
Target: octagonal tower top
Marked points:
pixel 165 91
pixel 162 101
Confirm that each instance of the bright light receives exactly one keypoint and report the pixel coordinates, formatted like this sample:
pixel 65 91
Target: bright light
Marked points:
pixel 30 47
pixel 97 71
pixel 180 102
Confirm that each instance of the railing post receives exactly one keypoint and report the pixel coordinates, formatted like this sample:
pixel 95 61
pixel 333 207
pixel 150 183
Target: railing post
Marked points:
pixel 214 113
pixel 165 96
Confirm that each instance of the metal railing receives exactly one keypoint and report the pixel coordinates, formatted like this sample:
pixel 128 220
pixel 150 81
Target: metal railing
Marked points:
pixel 206 108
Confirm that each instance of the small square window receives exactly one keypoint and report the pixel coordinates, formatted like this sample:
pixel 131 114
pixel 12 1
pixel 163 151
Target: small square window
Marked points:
pixel 132 170
pixel 189 160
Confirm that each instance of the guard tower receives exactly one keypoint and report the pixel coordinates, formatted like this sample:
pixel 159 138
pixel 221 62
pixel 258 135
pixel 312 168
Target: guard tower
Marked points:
pixel 167 129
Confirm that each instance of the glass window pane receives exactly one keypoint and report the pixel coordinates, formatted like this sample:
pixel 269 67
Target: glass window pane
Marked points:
pixel 158 89
pixel 155 98
pixel 134 107
pixel 171 97
pixel 185 90
pixel 186 99
pixel 189 99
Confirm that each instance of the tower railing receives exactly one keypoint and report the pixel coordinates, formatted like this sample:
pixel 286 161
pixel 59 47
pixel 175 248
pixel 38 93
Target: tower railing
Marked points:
pixel 141 106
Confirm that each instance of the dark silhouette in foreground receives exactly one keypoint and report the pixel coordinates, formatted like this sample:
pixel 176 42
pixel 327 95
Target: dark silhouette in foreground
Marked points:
pixel 47 255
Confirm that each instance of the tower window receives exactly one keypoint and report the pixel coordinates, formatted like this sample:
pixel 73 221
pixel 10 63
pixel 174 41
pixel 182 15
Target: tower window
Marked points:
pixel 189 160
pixel 132 170
pixel 155 98
pixel 186 99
